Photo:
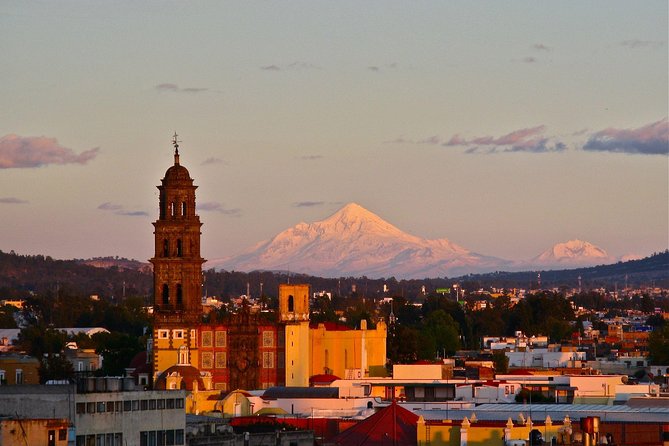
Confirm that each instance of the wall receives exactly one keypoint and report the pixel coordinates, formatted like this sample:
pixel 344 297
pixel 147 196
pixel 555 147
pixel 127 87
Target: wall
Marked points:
pixel 33 432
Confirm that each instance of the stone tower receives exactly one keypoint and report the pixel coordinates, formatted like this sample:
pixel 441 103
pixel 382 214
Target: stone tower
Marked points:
pixel 177 269
pixel 294 312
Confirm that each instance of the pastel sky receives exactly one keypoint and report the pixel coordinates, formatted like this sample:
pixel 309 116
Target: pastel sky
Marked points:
pixel 505 127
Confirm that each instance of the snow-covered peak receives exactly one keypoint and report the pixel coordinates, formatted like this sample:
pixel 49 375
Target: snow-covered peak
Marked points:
pixel 355 241
pixel 572 253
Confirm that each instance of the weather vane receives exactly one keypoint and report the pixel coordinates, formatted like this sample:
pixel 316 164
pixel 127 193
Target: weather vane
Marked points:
pixel 176 142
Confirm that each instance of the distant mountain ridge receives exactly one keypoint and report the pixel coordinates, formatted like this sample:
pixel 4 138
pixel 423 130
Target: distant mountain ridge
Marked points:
pixel 356 242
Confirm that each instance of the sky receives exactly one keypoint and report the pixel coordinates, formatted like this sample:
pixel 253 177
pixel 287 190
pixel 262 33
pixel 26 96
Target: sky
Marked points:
pixel 506 127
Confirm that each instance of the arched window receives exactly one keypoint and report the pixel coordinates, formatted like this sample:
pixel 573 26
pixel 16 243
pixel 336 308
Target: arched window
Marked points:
pixel 166 248
pixel 166 294
pixel 291 304
pixel 179 248
pixel 183 355
pixel 183 208
pixel 179 295
pixel 174 210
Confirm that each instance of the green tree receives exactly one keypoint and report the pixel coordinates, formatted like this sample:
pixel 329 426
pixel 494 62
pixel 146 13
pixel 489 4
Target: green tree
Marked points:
pixel 440 332
pixel 658 345
pixel 117 350
pixel 501 362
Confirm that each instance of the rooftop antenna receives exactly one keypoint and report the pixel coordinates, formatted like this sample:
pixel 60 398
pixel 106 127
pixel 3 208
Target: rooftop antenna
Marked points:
pixel 175 143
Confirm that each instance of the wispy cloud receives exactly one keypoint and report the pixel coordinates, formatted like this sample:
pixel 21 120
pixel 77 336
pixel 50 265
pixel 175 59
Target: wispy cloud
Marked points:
pixel 213 206
pixel 12 200
pixel 530 59
pixel 293 66
pixel 530 140
pixel 651 139
pixel 308 204
pixel 118 209
pixel 311 157
pixel 174 88
pixel 36 151
pixel 541 47
pixel 379 68
pixel 212 160
pixel 636 44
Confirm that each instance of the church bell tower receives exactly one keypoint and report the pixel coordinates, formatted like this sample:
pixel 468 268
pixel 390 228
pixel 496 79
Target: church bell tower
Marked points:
pixel 177 267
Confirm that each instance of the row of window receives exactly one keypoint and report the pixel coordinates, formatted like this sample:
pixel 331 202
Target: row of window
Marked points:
pixel 18 377
pixel 113 439
pixel 173 209
pixel 170 437
pixel 207 360
pixel 166 248
pixel 176 334
pixel 129 405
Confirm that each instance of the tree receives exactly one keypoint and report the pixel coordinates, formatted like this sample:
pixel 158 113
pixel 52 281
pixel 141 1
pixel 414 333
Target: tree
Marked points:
pixel 117 349
pixel 501 361
pixel 658 345
pixel 440 333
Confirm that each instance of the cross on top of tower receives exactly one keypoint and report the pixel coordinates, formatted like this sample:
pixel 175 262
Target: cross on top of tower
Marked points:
pixel 175 142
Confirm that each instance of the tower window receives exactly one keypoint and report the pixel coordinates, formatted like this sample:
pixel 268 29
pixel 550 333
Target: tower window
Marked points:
pixel 291 304
pixel 179 248
pixel 166 248
pixel 179 294
pixel 174 209
pixel 166 294
pixel 162 209
pixel 183 208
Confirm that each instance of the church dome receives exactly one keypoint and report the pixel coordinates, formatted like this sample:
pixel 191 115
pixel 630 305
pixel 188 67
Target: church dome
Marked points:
pixel 177 173
pixel 189 376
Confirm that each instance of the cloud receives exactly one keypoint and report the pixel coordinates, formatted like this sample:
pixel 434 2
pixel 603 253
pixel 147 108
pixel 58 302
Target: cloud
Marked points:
pixel 541 47
pixel 12 200
pixel 293 66
pixel 212 160
pixel 530 140
pixel 651 139
pixel 118 209
pixel 308 204
pixel 311 157
pixel 37 151
pixel 530 59
pixel 174 88
pixel 377 68
pixel 636 43
pixel 213 206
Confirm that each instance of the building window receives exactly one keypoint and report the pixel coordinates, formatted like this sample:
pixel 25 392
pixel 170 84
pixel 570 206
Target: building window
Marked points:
pixel 179 403
pixel 221 386
pixel 220 338
pixel 110 406
pixel 207 360
pixel 144 405
pixel 268 360
pixel 178 334
pixel 152 404
pixel 90 407
pixel 127 406
pixel 268 338
pixel 19 376
pixel 180 296
pixel 173 209
pixel 166 294
pixel 221 360
pixel 291 304
pixel 163 334
pixel 3 378
pixel 179 248
pixel 183 208
pixel 169 403
pixel 166 248
pixel 183 355
pixel 206 339
pixel 81 408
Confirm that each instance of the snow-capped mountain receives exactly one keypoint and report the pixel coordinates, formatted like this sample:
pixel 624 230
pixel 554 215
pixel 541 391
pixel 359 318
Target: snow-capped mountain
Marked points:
pixel 355 242
pixel 571 254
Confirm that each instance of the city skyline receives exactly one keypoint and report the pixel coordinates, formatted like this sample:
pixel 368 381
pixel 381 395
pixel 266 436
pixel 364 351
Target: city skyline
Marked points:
pixel 506 129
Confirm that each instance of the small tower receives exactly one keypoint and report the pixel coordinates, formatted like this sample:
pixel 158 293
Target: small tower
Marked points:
pixel 294 312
